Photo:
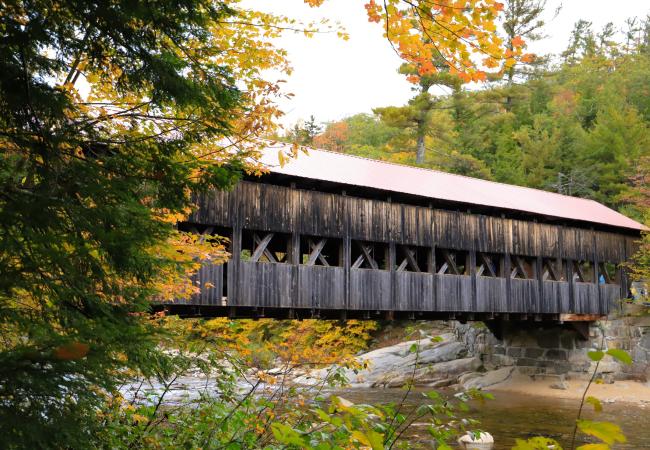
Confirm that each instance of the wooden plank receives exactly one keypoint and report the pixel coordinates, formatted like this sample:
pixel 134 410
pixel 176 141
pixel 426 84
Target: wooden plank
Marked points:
pixel 581 317
pixel 414 291
pixel 491 295
pixel 321 287
pixel 264 285
pixel 370 290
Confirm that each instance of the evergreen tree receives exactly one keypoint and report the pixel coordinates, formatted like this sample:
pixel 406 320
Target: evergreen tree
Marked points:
pixel 92 184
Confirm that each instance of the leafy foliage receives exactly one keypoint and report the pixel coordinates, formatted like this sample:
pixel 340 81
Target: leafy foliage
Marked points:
pixel 111 115
pixel 241 407
pixel 579 128
pixel 308 342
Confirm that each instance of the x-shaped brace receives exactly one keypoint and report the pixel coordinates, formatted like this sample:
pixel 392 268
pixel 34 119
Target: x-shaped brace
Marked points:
pixel 519 268
pixel 409 260
pixel 486 263
pixel 315 252
pixel 550 270
pixel 450 263
pixel 366 254
pixel 261 248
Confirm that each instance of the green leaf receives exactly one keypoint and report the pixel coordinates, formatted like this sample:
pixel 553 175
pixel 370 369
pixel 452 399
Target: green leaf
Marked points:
pixel 536 443
pixel 596 355
pixel 284 434
pixel 607 432
pixel 599 446
pixel 370 439
pixel 620 355
pixel 598 407
pixel 413 348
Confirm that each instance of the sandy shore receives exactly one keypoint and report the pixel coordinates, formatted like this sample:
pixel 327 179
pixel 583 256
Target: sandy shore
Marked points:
pixel 619 391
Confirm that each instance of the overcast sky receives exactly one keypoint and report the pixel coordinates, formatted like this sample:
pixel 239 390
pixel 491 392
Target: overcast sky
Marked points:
pixel 333 78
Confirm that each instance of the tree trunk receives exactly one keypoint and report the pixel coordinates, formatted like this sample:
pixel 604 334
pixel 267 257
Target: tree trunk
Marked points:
pixel 419 154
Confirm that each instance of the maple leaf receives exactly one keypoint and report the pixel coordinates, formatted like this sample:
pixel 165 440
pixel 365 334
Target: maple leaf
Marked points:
pixel 517 41
pixel 527 58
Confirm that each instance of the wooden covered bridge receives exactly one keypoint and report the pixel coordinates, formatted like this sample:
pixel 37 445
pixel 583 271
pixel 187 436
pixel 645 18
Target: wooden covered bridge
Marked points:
pixel 335 236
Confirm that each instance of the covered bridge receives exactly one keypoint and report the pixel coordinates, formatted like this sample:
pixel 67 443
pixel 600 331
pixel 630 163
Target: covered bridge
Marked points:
pixel 334 236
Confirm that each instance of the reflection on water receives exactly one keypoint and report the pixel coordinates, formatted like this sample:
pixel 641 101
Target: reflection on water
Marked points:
pixel 511 416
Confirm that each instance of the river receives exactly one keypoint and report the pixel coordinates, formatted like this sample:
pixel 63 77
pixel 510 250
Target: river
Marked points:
pixel 510 416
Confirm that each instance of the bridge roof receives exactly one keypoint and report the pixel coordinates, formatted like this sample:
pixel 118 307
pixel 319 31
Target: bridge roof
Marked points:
pixel 352 170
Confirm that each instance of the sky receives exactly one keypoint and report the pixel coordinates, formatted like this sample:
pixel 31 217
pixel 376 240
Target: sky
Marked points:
pixel 333 78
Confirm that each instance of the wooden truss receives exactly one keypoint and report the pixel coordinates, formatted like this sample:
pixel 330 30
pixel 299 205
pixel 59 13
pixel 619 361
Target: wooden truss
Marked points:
pixel 207 231
pixel 261 243
pixel 519 268
pixel 551 271
pixel 450 265
pixel 316 252
pixel 487 266
pixel 578 273
pixel 409 263
pixel 367 251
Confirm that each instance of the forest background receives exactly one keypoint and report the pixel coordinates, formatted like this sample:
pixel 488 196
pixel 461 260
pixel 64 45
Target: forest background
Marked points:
pixel 113 113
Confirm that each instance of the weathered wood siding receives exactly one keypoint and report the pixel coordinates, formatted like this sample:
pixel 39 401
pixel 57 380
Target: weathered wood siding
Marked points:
pixel 209 279
pixel 370 290
pixel 321 287
pixel 270 208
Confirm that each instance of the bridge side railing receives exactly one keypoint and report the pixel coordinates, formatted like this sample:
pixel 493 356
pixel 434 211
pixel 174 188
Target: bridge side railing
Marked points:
pixel 524 254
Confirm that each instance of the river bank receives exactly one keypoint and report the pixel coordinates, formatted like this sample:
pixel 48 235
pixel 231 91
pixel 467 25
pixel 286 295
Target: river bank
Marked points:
pixel 451 360
pixel 512 416
pixel 625 391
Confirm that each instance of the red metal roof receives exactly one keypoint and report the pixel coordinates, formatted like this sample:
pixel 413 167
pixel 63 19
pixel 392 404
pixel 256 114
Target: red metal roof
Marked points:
pixel 357 171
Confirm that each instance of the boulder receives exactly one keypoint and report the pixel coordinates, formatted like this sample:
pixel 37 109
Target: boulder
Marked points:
pixel 482 441
pixel 489 378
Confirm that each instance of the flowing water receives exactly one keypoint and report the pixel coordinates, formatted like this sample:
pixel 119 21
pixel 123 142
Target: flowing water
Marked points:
pixel 510 416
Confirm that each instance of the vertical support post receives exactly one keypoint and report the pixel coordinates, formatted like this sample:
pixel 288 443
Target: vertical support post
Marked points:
pixel 623 275
pixel 392 257
pixel 539 275
pixel 470 269
pixel 507 268
pixel 599 308
pixel 347 252
pixel 432 260
pixel 234 267
pixel 569 277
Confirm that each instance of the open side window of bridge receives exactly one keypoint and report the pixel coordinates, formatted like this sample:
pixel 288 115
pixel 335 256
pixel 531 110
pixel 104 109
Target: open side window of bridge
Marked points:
pixel 266 247
pixel 221 235
pixel 522 267
pixel 582 271
pixel 369 255
pixel 553 269
pixel 489 265
pixel 452 262
pixel 412 258
pixel 608 273
pixel 320 251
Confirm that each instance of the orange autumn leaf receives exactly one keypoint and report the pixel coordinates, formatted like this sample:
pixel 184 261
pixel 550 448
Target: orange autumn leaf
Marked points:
pixel 517 41
pixel 528 58
pixel 71 351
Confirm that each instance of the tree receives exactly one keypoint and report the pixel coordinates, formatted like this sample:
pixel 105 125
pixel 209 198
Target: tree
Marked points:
pixel 581 43
pixel 112 114
pixel 93 183
pixel 522 21
pixel 335 137
pixel 303 132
